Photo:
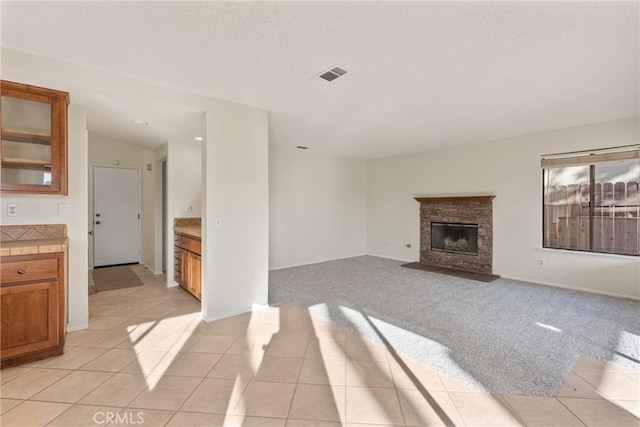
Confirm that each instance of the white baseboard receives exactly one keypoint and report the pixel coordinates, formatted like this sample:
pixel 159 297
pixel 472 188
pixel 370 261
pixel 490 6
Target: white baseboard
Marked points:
pixel 521 279
pixel 253 308
pixel 315 262
pixel 543 283
pixel 151 269
pixel 391 258
pixel 77 327
pixel 336 259
pixel 572 288
pixel 219 316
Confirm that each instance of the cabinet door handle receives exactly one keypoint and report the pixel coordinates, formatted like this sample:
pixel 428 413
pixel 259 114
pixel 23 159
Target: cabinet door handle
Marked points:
pixel 21 271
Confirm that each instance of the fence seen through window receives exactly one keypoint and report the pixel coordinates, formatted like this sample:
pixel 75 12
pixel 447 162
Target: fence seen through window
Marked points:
pixel 592 202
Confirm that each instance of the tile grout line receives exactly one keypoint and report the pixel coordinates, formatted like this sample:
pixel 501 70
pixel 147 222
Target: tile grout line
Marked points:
pixel 200 383
pixel 295 387
pixel 603 373
pixel 83 396
pixel 77 404
pixel 455 407
pixel 30 396
pixel 511 410
pixel 571 412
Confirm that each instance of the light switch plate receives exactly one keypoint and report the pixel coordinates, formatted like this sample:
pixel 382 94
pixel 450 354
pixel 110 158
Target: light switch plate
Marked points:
pixel 63 209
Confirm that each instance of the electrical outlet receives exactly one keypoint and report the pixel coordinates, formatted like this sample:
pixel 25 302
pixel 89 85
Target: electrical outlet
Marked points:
pixel 12 209
pixel 541 262
pixel 189 208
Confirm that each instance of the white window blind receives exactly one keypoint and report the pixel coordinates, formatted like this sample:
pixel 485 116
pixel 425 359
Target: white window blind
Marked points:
pixel 579 158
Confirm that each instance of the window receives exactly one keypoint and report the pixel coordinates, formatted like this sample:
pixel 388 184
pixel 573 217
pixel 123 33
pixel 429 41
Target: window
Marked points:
pixel 592 201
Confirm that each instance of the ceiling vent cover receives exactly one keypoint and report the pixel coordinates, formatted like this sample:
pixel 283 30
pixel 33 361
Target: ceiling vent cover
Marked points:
pixel 333 74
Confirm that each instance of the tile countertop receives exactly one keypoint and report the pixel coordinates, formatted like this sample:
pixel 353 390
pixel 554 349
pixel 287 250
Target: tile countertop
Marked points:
pixel 33 239
pixel 190 231
pixel 30 247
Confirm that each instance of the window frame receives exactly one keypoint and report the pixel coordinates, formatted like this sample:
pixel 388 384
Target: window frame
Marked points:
pixel 591 159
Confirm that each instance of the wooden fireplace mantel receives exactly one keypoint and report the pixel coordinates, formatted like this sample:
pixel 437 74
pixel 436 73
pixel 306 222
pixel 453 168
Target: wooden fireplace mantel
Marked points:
pixel 435 199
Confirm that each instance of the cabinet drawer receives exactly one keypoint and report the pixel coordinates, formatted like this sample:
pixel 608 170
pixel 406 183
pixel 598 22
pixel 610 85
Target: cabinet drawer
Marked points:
pixel 194 246
pixel 187 243
pixel 29 270
pixel 180 241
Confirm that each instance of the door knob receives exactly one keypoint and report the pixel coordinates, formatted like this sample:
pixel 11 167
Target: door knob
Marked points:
pixel 97 222
pixel 98 215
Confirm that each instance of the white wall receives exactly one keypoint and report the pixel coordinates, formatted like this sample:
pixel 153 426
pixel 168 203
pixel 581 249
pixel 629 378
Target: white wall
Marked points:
pixel 236 187
pixel 148 211
pixel 105 151
pixel 41 209
pixel 317 207
pixel 184 190
pixel 159 156
pixel 237 161
pixel 510 169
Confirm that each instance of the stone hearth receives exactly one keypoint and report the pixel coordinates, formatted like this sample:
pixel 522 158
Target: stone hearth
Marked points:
pixel 463 210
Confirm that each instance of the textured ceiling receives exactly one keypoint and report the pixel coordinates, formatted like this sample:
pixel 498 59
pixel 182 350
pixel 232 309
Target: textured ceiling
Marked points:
pixel 421 74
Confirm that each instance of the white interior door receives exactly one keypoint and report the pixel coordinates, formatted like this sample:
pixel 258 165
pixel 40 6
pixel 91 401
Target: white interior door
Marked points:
pixel 116 216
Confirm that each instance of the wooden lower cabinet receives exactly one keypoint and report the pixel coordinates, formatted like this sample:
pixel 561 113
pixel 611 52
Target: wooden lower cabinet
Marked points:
pixel 186 269
pixel 195 271
pixel 188 264
pixel 33 304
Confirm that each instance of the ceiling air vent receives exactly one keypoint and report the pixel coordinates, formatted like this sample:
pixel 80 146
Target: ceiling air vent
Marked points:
pixel 333 74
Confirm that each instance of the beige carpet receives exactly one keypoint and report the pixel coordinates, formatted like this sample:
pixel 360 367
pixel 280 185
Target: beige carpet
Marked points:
pixel 110 278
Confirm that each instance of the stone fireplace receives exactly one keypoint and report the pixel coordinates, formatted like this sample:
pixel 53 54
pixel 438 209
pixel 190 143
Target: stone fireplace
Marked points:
pixel 457 232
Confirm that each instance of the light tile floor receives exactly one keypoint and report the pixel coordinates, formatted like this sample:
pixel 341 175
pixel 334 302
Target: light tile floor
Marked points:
pixel 148 360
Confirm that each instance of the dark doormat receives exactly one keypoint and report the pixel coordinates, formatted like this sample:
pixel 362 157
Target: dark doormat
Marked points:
pixel 453 272
pixel 110 278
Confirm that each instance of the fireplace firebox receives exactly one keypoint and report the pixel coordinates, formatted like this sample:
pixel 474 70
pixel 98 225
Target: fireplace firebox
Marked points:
pixel 454 237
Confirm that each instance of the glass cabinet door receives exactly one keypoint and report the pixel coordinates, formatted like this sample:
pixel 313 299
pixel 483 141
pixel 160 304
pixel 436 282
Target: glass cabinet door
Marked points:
pixel 26 142
pixel 33 140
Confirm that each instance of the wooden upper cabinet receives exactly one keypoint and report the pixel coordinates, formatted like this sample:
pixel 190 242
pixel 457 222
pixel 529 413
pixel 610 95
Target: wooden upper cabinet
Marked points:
pixel 34 139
